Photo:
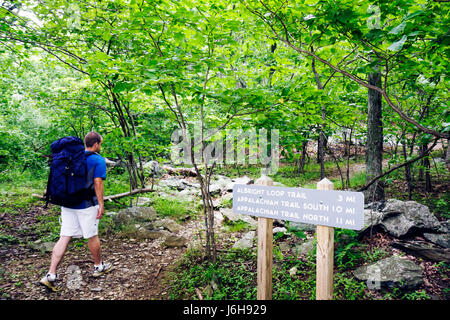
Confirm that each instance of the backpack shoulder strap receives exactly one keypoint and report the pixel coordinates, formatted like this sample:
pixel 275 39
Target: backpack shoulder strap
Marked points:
pixel 89 153
pixel 47 191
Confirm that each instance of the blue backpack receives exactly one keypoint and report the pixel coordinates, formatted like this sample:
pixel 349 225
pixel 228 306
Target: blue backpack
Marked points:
pixel 68 183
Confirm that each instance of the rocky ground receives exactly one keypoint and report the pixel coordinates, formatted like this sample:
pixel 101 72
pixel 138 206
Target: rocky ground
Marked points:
pixel 140 265
pixel 143 256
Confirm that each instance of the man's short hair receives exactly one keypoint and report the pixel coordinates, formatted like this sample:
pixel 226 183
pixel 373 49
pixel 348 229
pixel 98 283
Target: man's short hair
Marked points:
pixel 91 138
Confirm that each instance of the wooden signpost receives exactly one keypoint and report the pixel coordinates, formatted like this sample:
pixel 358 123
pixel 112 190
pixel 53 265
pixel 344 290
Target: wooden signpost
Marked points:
pixel 324 254
pixel 324 207
pixel 265 250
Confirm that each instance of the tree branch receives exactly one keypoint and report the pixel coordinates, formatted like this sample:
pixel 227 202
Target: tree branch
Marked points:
pixel 426 153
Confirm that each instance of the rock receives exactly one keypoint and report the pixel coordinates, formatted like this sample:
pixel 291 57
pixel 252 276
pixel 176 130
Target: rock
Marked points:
pixel 279 229
pixel 208 290
pixel 221 181
pixel 43 246
pixel 142 201
pixel 173 241
pixel 217 203
pixel 143 233
pixel 241 180
pixel 376 206
pixel 442 240
pixel 186 195
pixel 423 250
pixel 110 213
pixel 402 218
pixel 218 217
pixel 144 213
pixel 304 249
pixel 298 226
pixel 246 242
pixel 293 271
pixel 232 216
pixel 128 215
pixel 173 183
pixel 391 272
pixel 227 196
pixel 284 246
pixel 372 219
pixel 214 285
pixel 168 224
pixel 192 184
pixel 445 227
pixel 214 189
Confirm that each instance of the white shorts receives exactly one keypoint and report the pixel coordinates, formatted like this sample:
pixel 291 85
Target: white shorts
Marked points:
pixel 79 223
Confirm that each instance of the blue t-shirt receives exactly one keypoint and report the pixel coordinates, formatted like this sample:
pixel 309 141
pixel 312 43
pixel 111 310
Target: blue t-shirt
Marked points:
pixel 96 167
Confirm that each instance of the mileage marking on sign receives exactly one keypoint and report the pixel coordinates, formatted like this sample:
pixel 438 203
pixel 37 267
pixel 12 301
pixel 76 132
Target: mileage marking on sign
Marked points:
pixel 333 208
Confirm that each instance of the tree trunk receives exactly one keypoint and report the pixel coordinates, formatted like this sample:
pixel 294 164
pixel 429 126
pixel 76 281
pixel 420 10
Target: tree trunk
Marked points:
pixel 407 173
pixel 322 138
pixel 302 162
pixel 447 156
pixel 374 147
pixel 427 167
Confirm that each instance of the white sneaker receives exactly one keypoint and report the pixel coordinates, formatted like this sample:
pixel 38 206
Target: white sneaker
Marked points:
pixel 50 282
pixel 102 269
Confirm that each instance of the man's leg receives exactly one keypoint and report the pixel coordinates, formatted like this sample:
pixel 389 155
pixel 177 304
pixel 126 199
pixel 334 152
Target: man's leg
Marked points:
pixel 100 267
pixel 94 247
pixel 58 252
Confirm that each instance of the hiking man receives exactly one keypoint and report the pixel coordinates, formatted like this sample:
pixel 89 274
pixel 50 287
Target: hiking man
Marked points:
pixel 82 220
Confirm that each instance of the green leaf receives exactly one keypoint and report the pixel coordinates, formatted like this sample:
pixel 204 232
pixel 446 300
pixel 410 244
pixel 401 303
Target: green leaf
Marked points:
pixel 398 45
pixel 99 55
pixel 412 15
pixel 398 28
pixel 413 34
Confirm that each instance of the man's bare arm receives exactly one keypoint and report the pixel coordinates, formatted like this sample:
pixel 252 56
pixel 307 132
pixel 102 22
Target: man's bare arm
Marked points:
pixel 98 186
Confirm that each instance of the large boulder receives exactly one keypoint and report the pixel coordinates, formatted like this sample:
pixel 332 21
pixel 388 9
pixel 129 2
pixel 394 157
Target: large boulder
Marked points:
pixel 168 224
pixel 391 272
pixel 423 249
pixel 174 183
pixel 401 218
pixel 135 214
pixel 173 241
pixel 442 240
pixel 372 219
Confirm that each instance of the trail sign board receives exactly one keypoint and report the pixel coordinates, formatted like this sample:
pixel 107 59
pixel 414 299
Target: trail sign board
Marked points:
pixel 333 208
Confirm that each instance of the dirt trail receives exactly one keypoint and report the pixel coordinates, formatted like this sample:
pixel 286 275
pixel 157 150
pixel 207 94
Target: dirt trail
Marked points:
pixel 354 169
pixel 140 266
